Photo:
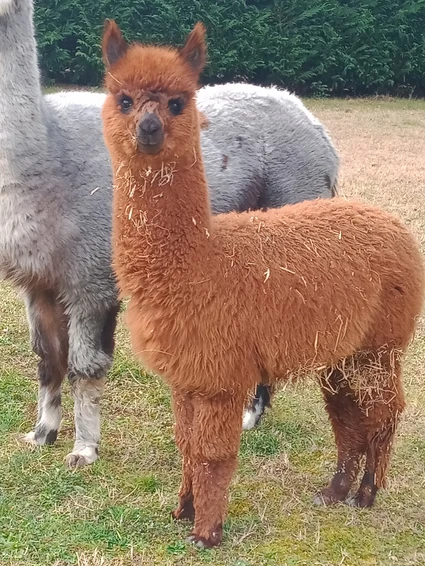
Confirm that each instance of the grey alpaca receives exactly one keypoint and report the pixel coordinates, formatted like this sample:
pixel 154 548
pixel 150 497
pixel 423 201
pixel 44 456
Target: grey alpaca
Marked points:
pixel 261 145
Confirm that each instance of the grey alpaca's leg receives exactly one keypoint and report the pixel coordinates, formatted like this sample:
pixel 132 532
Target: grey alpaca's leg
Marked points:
pixel 49 338
pixel 87 395
pixel 257 406
pixel 90 357
pixel 91 340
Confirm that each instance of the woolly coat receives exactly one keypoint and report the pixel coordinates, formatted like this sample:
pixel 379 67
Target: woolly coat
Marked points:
pixel 276 293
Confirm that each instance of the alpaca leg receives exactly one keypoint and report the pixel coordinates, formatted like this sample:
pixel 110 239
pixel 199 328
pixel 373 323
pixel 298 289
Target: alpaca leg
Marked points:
pixel 91 338
pixel 183 411
pixel 346 419
pixel 87 395
pixel 48 331
pixel 377 460
pixel 381 422
pixel 257 406
pixel 217 426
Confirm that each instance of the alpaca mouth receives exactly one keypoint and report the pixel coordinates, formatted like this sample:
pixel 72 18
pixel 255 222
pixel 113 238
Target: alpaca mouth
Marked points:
pixel 149 147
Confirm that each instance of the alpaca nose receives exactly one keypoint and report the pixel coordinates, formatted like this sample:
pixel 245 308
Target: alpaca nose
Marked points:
pixel 150 133
pixel 150 124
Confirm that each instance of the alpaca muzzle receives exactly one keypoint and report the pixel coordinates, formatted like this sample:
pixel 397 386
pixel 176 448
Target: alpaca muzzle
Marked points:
pixel 150 133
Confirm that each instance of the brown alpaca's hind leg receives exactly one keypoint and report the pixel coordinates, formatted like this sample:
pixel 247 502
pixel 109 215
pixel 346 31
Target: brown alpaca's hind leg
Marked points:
pixel 217 427
pixel 364 406
pixel 380 424
pixel 345 416
pixel 183 412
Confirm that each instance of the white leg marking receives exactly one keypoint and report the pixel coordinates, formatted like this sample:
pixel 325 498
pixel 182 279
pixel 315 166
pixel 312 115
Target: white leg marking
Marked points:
pixel 250 417
pixel 49 417
pixel 30 438
pixel 87 395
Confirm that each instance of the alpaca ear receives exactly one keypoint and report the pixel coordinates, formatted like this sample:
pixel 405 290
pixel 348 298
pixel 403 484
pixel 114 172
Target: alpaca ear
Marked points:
pixel 195 49
pixel 114 46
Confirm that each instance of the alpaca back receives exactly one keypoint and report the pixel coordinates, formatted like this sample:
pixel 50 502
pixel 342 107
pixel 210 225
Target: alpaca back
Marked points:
pixel 261 148
pixel 267 138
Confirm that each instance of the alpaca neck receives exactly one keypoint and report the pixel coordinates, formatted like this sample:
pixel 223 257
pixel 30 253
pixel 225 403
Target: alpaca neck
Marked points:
pixel 162 221
pixel 22 131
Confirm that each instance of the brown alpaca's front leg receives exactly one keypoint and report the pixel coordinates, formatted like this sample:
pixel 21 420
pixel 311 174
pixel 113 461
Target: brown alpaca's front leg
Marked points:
pixel 183 412
pixel 216 435
pixel 211 480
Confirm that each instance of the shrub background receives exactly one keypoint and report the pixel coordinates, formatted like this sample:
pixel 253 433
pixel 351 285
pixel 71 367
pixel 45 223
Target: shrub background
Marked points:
pixel 319 47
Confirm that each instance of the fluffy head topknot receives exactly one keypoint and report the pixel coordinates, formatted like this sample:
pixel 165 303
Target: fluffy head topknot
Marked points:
pixel 152 68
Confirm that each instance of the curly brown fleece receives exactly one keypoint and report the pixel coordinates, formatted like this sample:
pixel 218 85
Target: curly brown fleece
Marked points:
pixel 220 303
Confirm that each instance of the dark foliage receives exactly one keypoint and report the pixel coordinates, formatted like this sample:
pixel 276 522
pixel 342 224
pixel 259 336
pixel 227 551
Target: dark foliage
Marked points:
pixel 311 46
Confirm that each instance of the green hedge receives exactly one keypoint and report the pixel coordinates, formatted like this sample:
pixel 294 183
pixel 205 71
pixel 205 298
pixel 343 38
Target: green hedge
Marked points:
pixel 311 46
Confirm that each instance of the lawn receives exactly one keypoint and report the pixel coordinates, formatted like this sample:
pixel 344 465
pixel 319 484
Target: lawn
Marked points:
pixel 117 512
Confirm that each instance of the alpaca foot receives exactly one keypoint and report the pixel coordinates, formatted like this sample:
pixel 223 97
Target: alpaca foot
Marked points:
pixel 30 438
pixel 366 493
pixel 186 511
pixel 39 436
pixel 326 497
pixel 206 542
pixel 82 457
pixel 363 498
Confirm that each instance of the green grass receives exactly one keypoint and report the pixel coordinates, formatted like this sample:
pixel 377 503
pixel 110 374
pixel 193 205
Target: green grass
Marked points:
pixel 117 512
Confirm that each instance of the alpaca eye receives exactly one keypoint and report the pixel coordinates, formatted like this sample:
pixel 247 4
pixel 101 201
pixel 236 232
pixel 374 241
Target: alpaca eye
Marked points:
pixel 176 106
pixel 126 103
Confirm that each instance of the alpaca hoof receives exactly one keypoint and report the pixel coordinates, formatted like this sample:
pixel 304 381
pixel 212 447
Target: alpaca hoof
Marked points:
pixel 81 458
pixel 206 542
pixel 361 499
pixel 255 410
pixel 324 499
pixel 30 438
pixel 75 461
pixel 39 437
pixel 319 500
pixel 198 543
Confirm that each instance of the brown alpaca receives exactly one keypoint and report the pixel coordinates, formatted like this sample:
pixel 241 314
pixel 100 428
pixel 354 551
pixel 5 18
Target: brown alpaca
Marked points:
pixel 221 303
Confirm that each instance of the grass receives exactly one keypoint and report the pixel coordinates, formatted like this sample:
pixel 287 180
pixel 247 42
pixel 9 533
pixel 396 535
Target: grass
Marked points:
pixel 117 512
